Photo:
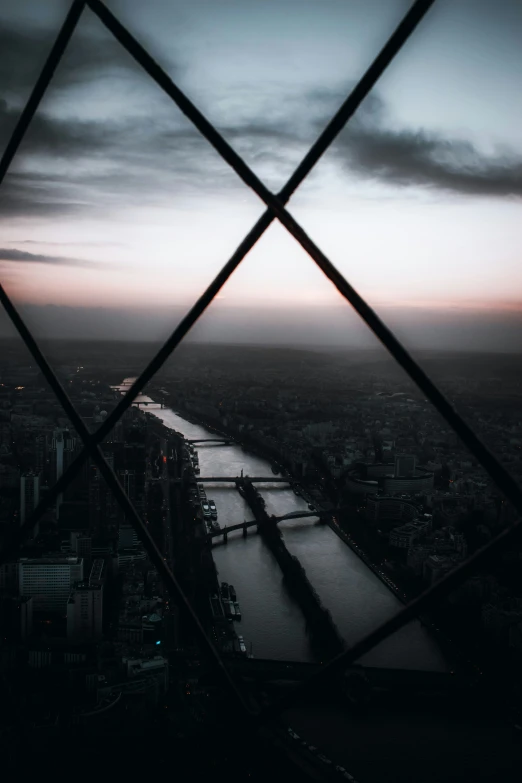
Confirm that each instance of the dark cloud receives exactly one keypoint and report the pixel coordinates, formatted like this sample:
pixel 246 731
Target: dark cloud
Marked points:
pixel 90 55
pixel 405 158
pixel 34 195
pixel 71 165
pixel 48 135
pixel 20 256
pixel 67 244
pixel 419 329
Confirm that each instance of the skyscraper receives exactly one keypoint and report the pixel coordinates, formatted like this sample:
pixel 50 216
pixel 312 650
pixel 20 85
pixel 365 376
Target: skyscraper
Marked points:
pixel 29 495
pixel 85 606
pixel 81 545
pixel 127 479
pixel 61 455
pixel 102 504
pixel 40 455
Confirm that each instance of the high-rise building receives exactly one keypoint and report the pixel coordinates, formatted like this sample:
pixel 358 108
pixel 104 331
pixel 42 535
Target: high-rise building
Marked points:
pixel 29 495
pixel 9 577
pixel 81 545
pixel 127 537
pixel 102 503
pixel 26 606
pixel 16 618
pixel 40 455
pixel 127 479
pixel 405 465
pixel 62 452
pixel 98 572
pixel 49 580
pixel 85 606
pixel 128 482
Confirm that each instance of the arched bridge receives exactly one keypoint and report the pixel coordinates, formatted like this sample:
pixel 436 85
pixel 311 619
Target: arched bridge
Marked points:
pixel 253 479
pixel 235 479
pixel 224 441
pixel 245 525
pixel 401 681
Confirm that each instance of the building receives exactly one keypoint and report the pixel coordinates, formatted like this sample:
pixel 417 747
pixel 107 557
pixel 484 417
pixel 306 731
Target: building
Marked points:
pixel 61 453
pixel 385 507
pixel 102 503
pixel 420 481
pixel 371 479
pixel 403 537
pixel 438 565
pixel 98 573
pixel 405 465
pixel 127 558
pixel 356 485
pixel 156 668
pixel 29 495
pixel 128 482
pixel 26 605
pixel 16 618
pixel 9 577
pixel 40 454
pixel 417 556
pixel 85 612
pixel 127 537
pixel 49 580
pixel 81 545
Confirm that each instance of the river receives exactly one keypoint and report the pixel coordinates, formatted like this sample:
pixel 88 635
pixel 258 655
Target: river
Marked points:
pixel 272 622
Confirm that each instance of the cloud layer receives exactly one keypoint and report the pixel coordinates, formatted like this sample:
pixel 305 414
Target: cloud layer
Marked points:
pixel 473 330
pixel 21 257
pixel 72 165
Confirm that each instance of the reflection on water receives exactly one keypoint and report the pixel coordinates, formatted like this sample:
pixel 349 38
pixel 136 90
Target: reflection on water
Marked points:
pixel 272 621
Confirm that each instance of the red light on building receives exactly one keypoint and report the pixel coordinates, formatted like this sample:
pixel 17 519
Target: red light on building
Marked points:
pixel 164 459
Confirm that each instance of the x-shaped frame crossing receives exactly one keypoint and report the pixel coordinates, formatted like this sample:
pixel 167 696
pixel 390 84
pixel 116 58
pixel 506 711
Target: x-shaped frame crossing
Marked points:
pixel 276 208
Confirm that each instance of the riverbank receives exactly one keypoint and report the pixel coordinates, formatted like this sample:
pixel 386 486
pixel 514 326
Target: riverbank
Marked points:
pixel 325 636
pixel 242 439
pixel 447 646
pixel 343 535
pixel 273 619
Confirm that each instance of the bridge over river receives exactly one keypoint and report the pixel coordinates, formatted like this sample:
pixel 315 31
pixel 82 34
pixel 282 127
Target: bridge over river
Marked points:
pixel 221 441
pixel 378 678
pixel 252 523
pixel 235 479
pixel 272 621
pixel 253 479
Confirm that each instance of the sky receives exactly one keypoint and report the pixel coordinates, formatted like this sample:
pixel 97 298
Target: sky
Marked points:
pixel 116 213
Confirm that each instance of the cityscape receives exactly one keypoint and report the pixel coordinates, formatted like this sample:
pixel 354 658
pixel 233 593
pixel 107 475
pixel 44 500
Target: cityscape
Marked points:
pixel 261 503
pixel 239 484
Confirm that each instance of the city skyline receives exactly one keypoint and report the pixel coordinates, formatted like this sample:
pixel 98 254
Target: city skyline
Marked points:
pixel 416 202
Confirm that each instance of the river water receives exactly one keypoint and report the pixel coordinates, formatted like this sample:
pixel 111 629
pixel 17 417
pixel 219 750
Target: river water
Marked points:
pixel 272 622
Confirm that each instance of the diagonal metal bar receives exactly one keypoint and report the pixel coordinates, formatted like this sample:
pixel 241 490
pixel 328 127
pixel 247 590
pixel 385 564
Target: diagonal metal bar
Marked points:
pixel 335 276
pixel 163 80
pixel 388 339
pixel 499 475
pixel 276 208
pixel 55 55
pixel 346 111
pixel 368 80
pixel 110 477
pixel 423 602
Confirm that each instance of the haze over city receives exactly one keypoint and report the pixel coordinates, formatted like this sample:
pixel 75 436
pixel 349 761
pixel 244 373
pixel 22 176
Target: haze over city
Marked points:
pixel 116 214
pixel 265 546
